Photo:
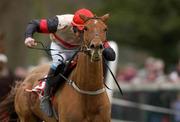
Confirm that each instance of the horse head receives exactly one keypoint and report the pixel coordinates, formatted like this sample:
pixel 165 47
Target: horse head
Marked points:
pixel 94 35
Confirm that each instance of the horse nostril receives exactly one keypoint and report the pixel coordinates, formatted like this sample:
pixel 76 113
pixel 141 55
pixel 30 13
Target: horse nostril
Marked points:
pixel 92 46
pixel 101 46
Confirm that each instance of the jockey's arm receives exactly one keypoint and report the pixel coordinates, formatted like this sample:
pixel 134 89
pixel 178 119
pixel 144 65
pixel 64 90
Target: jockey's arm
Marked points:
pixel 41 26
pixel 50 25
pixel 108 53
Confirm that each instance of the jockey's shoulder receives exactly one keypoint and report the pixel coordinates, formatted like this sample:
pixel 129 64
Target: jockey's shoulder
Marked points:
pixel 64 20
pixel 65 16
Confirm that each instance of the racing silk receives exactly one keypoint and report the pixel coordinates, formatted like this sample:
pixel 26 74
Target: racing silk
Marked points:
pixel 65 36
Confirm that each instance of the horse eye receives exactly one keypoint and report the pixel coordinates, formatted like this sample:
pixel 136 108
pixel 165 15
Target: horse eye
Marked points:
pixel 85 28
pixel 105 29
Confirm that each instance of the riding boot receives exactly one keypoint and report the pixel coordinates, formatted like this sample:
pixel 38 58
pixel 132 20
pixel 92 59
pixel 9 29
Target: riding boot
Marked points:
pixel 53 79
pixel 57 80
pixel 45 103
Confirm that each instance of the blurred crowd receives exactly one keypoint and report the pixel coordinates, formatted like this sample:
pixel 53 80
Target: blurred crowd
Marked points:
pixel 153 71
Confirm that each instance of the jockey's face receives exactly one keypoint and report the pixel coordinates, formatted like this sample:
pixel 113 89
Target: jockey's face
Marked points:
pixel 76 31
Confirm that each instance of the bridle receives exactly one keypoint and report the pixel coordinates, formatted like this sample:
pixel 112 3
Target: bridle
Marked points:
pixel 86 47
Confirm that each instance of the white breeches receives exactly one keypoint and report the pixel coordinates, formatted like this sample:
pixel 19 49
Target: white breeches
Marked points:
pixel 57 57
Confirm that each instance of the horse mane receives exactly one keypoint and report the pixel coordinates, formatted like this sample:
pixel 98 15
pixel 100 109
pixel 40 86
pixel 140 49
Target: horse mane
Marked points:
pixel 7 104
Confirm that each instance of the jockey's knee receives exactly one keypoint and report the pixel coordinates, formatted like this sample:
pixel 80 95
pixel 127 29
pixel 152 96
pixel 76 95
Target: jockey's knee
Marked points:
pixel 58 67
pixel 54 66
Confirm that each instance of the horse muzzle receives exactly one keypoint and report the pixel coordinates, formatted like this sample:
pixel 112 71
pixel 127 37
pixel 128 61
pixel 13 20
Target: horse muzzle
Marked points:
pixel 96 51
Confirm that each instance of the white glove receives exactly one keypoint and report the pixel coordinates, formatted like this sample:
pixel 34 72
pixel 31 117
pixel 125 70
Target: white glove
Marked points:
pixel 30 42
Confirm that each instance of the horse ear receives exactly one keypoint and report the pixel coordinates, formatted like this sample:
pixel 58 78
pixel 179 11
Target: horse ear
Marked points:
pixel 83 17
pixel 105 17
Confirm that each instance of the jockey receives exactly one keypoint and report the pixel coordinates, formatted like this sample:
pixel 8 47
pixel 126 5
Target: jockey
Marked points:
pixel 67 26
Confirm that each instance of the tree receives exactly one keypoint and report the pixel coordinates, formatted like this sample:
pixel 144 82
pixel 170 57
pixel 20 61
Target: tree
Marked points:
pixel 153 26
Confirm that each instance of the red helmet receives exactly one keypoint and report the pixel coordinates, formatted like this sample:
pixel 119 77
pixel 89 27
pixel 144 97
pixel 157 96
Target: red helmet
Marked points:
pixel 77 21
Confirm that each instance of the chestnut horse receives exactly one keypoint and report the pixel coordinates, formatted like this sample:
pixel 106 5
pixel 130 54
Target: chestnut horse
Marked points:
pixel 83 98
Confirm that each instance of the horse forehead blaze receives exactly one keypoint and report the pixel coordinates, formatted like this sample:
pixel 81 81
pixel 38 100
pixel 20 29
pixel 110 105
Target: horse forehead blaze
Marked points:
pixel 95 23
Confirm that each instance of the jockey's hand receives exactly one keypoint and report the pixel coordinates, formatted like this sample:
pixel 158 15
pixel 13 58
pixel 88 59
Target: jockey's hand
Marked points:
pixel 30 42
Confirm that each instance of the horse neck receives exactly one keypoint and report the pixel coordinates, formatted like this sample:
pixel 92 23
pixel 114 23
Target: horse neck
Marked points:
pixel 88 75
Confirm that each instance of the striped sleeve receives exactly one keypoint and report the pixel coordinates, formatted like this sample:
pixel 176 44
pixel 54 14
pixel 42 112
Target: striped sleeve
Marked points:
pixel 41 26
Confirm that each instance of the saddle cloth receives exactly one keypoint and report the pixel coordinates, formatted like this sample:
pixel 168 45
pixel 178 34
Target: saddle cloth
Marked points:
pixel 39 88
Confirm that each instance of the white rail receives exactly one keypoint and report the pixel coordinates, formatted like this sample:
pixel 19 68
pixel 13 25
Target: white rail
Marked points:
pixel 115 120
pixel 130 87
pixel 145 107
